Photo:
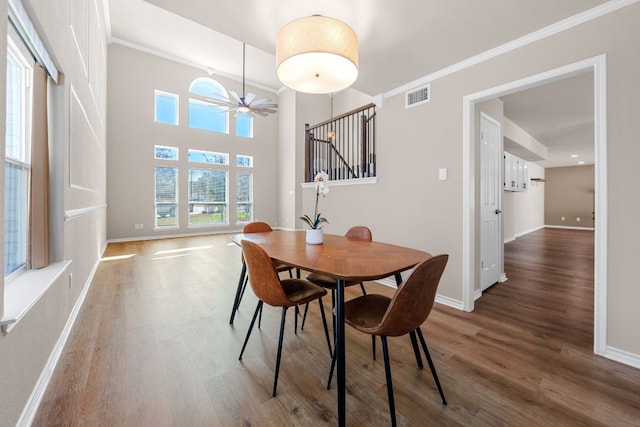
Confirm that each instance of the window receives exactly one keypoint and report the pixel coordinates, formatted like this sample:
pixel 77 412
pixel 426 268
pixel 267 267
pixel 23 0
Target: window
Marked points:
pixel 207 197
pixel 17 155
pixel 244 161
pixel 244 125
pixel 244 197
pixel 166 196
pixel 166 110
pixel 166 153
pixel 209 157
pixel 203 114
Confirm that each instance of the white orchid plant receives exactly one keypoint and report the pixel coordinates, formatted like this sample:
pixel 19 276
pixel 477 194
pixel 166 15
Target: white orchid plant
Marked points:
pixel 322 186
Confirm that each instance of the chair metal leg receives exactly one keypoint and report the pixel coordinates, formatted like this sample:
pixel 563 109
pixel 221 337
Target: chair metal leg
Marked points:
pixel 333 367
pixel 239 290
pixel 364 291
pixel 253 320
pixel 324 323
pixel 260 318
pixel 279 356
pixel 387 370
pixel 416 350
pixel 304 317
pixel 295 320
pixel 431 365
pixel 373 346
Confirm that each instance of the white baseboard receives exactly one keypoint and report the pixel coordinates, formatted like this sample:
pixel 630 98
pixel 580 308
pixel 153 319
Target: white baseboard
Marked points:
pixel 31 408
pixel 477 294
pixel 503 278
pixel 171 236
pixel 568 227
pixel 451 302
pixel 622 356
pixel 509 239
pixel 522 233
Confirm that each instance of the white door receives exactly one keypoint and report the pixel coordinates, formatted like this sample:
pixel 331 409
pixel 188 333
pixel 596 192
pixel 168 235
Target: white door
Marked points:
pixel 490 244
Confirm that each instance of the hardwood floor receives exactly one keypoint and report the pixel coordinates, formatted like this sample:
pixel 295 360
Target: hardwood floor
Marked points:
pixel 152 346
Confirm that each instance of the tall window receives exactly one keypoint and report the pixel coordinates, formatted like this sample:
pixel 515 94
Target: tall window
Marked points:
pixel 166 196
pixel 244 197
pixel 166 108
pixel 17 155
pixel 208 192
pixel 244 125
pixel 203 114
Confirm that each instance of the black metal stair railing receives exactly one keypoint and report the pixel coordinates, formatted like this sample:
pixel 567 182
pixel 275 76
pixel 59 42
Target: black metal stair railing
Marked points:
pixel 344 146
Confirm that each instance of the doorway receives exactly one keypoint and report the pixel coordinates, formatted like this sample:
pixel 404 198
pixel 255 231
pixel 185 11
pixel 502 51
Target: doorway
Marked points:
pixel 471 236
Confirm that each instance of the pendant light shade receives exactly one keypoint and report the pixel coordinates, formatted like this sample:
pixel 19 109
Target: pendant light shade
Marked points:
pixel 317 54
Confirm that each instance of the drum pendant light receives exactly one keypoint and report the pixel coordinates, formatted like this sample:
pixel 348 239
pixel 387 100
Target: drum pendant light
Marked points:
pixel 317 54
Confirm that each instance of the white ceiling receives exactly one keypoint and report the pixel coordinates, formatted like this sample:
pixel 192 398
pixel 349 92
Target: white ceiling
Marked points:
pixel 399 41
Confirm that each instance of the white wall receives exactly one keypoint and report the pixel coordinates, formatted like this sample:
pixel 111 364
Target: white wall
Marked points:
pixel 74 32
pixel 410 206
pixel 133 133
pixel 523 211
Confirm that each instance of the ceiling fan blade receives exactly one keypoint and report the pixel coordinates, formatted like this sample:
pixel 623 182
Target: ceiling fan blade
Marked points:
pixel 263 106
pixel 221 102
pixel 261 101
pixel 250 97
pixel 259 112
pixel 235 96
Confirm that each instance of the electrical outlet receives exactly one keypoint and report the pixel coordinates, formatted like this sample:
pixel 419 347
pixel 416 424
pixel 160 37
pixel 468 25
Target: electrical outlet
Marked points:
pixel 562 218
pixel 578 219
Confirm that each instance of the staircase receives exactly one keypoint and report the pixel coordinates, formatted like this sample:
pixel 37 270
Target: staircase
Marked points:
pixel 343 146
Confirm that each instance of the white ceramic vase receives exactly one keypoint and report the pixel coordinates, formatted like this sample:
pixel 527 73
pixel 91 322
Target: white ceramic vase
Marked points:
pixel 314 236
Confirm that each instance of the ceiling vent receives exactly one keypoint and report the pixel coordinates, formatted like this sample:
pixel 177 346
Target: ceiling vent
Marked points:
pixel 418 96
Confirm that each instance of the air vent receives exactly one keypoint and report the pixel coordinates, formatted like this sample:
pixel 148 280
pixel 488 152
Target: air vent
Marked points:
pixel 418 96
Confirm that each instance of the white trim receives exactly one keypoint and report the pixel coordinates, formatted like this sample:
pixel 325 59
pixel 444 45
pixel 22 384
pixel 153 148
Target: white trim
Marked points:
pixel 29 33
pixel 450 302
pixel 343 182
pixel 569 227
pixel 597 65
pixel 171 236
pixel 522 233
pixel 622 356
pixel 388 282
pixel 188 63
pixel 503 277
pixel 550 30
pixel 31 408
pixel 76 213
pixel 23 292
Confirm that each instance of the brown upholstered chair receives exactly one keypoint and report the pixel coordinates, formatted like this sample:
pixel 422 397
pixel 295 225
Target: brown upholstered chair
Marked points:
pixel 285 293
pixel 254 227
pixel 403 314
pixel 358 232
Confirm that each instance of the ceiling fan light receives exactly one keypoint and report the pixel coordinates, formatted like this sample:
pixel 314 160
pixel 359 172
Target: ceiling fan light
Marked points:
pixel 317 55
pixel 243 109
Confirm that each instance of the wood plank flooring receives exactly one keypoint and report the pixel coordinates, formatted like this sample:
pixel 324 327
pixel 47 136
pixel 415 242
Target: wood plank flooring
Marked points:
pixel 152 346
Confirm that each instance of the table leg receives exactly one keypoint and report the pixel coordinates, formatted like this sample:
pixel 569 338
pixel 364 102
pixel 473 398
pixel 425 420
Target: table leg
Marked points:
pixel 236 301
pixel 340 353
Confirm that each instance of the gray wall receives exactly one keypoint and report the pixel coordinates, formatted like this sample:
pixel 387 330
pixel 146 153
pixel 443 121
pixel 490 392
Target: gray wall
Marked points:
pixel 74 31
pixel 410 206
pixel 569 193
pixel 133 133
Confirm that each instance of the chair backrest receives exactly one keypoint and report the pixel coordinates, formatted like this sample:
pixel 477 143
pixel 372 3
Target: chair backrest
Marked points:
pixel 413 300
pixel 359 232
pixel 257 227
pixel 263 276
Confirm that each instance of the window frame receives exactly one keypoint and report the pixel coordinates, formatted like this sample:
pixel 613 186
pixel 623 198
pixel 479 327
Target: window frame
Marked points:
pixel 177 109
pixel 24 60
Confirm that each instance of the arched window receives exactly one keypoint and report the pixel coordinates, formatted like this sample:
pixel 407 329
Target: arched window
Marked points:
pixel 202 113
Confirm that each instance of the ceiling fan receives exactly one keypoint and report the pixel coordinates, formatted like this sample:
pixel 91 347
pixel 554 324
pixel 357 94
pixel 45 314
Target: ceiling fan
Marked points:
pixel 246 104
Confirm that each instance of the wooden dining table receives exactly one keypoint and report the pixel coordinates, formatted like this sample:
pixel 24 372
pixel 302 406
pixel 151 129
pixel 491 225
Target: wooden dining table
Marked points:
pixel 344 259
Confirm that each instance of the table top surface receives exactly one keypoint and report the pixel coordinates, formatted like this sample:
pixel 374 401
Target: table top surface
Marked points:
pixel 337 256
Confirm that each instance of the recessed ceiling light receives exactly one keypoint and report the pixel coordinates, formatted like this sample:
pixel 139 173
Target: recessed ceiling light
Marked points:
pixel 581 163
pixel 574 155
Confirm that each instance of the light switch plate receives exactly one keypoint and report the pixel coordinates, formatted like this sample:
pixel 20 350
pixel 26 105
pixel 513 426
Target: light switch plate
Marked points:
pixel 442 174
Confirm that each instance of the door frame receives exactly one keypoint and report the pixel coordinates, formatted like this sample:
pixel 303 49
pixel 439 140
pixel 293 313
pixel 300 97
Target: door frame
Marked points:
pixel 471 239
